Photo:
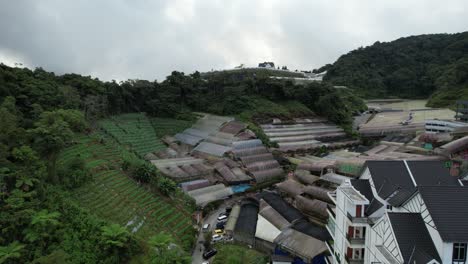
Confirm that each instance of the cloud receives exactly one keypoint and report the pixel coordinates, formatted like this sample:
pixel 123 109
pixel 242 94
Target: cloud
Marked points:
pixel 121 39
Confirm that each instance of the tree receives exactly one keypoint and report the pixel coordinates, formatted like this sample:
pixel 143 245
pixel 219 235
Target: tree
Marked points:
pixel 165 251
pixel 50 136
pixel 41 230
pixel 12 251
pixel 116 240
pixel 115 236
pixel 207 241
pixel 166 186
pixel 160 241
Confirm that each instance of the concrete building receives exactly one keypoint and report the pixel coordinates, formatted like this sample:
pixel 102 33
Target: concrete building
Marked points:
pixel 400 212
pixel 443 126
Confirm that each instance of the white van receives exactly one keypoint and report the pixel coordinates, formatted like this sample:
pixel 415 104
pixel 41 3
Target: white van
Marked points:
pixel 206 227
pixel 222 218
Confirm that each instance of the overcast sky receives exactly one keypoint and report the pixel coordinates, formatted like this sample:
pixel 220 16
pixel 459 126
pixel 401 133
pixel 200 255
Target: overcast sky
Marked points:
pixel 122 39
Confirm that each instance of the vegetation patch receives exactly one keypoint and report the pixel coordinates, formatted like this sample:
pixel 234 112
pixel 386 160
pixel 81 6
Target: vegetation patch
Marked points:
pixel 133 130
pixel 238 254
pixel 117 198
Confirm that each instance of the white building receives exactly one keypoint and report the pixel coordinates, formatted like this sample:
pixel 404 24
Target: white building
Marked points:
pixel 442 126
pixel 400 212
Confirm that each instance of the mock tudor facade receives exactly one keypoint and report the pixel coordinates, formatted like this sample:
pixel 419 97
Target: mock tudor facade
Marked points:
pixel 400 212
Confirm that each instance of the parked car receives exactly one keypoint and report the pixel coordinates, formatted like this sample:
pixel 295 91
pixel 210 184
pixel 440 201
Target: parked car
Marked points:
pixel 216 237
pixel 222 218
pixel 228 210
pixel 209 254
pixel 219 231
pixel 206 227
pixel 220 225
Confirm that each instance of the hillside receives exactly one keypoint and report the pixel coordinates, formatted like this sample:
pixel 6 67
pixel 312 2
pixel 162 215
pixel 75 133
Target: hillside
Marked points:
pixel 424 66
pixel 115 197
pixel 71 174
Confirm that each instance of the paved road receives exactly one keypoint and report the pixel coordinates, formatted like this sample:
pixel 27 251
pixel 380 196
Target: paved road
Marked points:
pixel 211 219
pixel 197 257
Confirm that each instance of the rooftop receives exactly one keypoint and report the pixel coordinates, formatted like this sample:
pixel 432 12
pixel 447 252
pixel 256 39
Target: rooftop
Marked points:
pixel 448 209
pixel 413 238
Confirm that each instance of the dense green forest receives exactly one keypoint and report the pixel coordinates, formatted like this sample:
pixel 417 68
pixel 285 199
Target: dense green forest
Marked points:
pixel 424 66
pixel 51 148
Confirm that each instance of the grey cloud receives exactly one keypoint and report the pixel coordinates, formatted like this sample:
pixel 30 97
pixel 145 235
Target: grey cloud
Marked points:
pixel 120 39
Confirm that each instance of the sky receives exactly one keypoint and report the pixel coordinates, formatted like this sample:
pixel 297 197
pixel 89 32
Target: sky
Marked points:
pixel 143 39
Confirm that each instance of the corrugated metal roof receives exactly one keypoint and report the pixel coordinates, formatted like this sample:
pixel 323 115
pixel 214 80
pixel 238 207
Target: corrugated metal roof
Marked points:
pixel 245 144
pixel 188 139
pixel 300 244
pixel 212 149
pixel 266 230
pixel 232 220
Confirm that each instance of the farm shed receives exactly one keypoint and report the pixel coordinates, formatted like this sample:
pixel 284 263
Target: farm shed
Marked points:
pixel 263 165
pixel 300 244
pixel 266 175
pixel 221 138
pixel 211 149
pixel 313 230
pixel 266 230
pixel 453 147
pixel 232 220
pixel 246 144
pixel 271 215
pixel 231 176
pixel 209 194
pixel 246 224
pixel 311 207
pixel 256 158
pixel 291 187
pixel 334 178
pixel 182 169
pixel 317 166
pixel 286 210
pixel 318 193
pixel 188 139
pixel 233 127
pixel 209 189
pixel 246 135
pixel 306 177
pixel 193 185
pixel 239 153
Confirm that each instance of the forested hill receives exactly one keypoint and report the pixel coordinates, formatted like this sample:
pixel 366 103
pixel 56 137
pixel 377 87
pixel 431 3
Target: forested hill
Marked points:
pixel 177 96
pixel 412 67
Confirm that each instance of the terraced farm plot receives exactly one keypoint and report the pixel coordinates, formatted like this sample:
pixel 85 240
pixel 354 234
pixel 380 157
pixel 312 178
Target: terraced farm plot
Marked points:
pixel 134 130
pixel 169 126
pixel 115 197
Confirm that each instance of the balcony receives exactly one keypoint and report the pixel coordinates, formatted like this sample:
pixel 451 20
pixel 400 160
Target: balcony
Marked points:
pixel 331 226
pixel 355 240
pixel 331 211
pixel 357 220
pixel 354 261
pixel 330 246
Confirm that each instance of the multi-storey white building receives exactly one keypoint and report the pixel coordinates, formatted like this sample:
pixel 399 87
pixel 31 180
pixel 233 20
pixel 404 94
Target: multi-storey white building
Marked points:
pixel 400 212
pixel 443 126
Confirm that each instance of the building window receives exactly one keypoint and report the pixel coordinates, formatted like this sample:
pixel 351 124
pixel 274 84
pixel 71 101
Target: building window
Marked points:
pixel 389 207
pixel 459 252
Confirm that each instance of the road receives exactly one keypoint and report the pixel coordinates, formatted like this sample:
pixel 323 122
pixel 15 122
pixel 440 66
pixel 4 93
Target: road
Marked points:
pixel 211 219
pixel 197 257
